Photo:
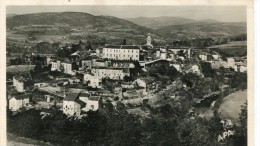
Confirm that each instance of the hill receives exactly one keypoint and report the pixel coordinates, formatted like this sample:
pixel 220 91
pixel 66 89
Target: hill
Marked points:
pixel 159 22
pixel 203 30
pixel 236 48
pixel 71 26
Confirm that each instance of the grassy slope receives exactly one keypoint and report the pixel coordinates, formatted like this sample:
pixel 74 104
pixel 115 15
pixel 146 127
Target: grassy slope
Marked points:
pixel 74 26
pixel 238 48
pixel 231 106
pixel 204 29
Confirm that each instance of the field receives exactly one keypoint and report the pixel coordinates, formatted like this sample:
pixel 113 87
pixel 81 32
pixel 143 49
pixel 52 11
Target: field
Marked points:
pixel 19 68
pixel 231 106
pixel 238 48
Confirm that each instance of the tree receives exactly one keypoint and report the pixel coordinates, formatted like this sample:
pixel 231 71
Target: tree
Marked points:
pixel 240 138
pixel 38 68
pixel 88 46
pixel 207 69
pixel 124 42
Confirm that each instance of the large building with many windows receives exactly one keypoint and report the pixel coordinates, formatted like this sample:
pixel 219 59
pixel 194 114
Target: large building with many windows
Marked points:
pixel 122 52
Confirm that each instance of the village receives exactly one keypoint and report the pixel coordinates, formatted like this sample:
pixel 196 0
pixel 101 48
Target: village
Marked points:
pixel 130 74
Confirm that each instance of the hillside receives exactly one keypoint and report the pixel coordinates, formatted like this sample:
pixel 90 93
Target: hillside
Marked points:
pixel 71 26
pixel 159 22
pixel 203 29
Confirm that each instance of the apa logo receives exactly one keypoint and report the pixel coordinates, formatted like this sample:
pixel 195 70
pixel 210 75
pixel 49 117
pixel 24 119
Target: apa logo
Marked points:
pixel 225 134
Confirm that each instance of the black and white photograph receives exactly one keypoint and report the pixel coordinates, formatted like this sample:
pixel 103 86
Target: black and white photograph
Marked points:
pixel 127 75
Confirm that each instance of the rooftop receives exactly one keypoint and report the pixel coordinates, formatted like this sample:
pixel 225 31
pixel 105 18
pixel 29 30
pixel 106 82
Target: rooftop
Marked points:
pixel 94 98
pixel 122 47
pixel 23 96
pixel 71 97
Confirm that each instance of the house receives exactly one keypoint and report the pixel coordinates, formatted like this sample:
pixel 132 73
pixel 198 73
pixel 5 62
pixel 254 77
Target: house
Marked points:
pixel 176 66
pixel 110 72
pixel 40 84
pixel 180 51
pixel 55 65
pixel 88 61
pixel 148 84
pixel 69 67
pixel 193 68
pixel 93 81
pixel 203 56
pixel 231 62
pixel 74 80
pixel 215 56
pixel 72 104
pixel 242 68
pixel 100 63
pixel 122 52
pixel 18 101
pixel 21 82
pixel 122 63
pixel 94 103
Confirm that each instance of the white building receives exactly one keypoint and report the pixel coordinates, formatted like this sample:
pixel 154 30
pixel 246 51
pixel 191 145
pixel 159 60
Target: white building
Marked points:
pixel 72 105
pixel 55 65
pixel 69 67
pixel 18 83
pixel 177 50
pixel 18 101
pixel 40 84
pixel 148 84
pixel 94 103
pixel 203 56
pixel 93 81
pixel 215 56
pixel 149 41
pixel 176 66
pixel 231 62
pixel 123 52
pixel 111 72
pixel 242 68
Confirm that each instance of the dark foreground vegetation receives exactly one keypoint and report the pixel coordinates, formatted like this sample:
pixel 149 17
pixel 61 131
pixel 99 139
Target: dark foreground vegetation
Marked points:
pixel 168 125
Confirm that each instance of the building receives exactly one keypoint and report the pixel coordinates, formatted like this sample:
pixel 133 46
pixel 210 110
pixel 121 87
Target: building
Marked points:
pixel 72 105
pixel 110 72
pixel 148 84
pixel 176 66
pixel 180 51
pixel 149 41
pixel 100 63
pixel 69 67
pixel 40 84
pixel 18 101
pixel 203 56
pixel 231 62
pixel 55 65
pixel 93 81
pixel 94 103
pixel 19 83
pixel 215 56
pixel 122 52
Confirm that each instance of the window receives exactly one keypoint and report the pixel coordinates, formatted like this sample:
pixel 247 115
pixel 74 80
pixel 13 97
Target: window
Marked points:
pixel 92 106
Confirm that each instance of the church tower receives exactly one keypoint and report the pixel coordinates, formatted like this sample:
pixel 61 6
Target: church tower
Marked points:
pixel 149 40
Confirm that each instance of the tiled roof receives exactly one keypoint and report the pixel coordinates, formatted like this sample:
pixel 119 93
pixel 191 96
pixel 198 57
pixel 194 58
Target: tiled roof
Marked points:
pixel 148 80
pixel 94 98
pixel 81 103
pixel 19 97
pixel 71 97
pixel 84 95
pixel 123 47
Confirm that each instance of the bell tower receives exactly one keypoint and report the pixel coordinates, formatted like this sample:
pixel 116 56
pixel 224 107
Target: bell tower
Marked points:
pixel 149 40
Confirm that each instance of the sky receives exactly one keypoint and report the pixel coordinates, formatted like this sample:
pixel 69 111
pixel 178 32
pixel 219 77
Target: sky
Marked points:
pixel 219 13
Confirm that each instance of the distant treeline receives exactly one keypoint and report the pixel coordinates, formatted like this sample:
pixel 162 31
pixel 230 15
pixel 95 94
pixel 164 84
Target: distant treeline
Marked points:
pixel 206 42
